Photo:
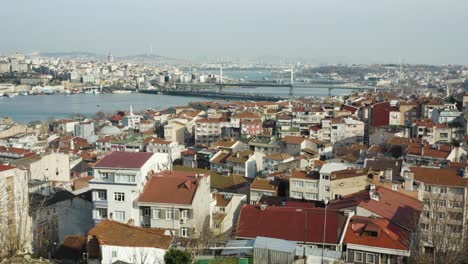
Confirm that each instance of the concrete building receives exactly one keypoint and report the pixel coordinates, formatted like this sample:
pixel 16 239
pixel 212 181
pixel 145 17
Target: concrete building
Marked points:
pixel 58 215
pixel 53 166
pixel 175 131
pixel 112 242
pixel 158 145
pixel 119 178
pixel 179 201
pixel 262 186
pixel 226 211
pixel 15 222
pixel 84 129
pixel 304 185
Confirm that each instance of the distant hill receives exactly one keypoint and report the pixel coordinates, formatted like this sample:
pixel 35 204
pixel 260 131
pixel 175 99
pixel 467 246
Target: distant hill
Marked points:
pixel 71 54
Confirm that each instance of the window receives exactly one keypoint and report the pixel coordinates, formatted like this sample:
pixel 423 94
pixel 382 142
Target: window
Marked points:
pixel 114 253
pixel 299 184
pixel 184 232
pixel 156 214
pixel 427 188
pixel 216 225
pixel 455 204
pixel 296 194
pixel 311 185
pixel 325 177
pixel 443 190
pixel 311 196
pixel 327 188
pixel 440 215
pixel 424 226
pixel 427 214
pixel 426 201
pixel 184 213
pixel 222 209
pixel 456 216
pixel 124 178
pixel 370 258
pixel 442 203
pixel 120 215
pixel 105 175
pixel 358 257
pixel 102 195
pixel 395 187
pixel 169 215
pixel 101 213
pixel 146 211
pixel 119 196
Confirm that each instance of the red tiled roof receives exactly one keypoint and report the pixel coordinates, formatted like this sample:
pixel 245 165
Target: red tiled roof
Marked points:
pixel 293 139
pixel 5 167
pixel 117 234
pixel 294 224
pixel 395 206
pixel 128 160
pixel 389 235
pixel 170 188
pixel 439 176
pixel 263 184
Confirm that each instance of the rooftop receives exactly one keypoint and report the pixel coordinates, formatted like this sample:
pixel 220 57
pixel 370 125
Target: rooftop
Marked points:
pixel 113 233
pixel 126 160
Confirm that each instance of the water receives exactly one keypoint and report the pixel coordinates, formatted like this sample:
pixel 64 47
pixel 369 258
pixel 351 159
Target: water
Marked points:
pixel 25 109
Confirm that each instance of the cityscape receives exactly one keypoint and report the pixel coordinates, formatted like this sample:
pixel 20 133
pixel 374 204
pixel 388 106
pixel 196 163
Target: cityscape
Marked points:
pixel 183 154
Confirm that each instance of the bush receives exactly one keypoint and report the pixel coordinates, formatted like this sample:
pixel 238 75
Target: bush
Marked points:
pixel 177 256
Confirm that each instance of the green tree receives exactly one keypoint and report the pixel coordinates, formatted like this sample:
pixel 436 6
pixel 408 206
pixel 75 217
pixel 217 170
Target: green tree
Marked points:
pixel 177 256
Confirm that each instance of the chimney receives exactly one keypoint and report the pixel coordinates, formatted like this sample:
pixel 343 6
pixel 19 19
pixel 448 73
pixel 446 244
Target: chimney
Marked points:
pixel 409 179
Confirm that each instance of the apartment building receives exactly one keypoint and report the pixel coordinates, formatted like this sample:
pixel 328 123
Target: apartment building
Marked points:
pixel 118 180
pixel 179 201
pixel 304 185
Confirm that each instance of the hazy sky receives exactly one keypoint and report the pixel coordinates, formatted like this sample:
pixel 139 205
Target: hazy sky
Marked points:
pixel 348 31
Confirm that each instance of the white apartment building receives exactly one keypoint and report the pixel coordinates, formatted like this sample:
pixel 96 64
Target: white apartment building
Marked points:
pixel 304 185
pixel 118 180
pixel 159 145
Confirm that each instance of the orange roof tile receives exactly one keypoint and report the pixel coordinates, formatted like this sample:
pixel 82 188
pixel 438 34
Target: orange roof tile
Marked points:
pixel 117 234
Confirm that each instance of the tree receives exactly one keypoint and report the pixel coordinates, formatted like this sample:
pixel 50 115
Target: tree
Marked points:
pixel 15 221
pixel 441 236
pixel 177 256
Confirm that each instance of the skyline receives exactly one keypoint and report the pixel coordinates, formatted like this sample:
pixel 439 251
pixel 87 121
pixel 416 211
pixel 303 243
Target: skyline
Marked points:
pixel 426 32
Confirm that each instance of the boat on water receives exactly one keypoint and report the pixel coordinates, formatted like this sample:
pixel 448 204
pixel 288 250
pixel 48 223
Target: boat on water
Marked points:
pixel 11 95
pixel 121 92
pixel 24 93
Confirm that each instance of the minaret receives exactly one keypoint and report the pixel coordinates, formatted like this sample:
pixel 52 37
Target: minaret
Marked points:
pixel 110 58
pixel 131 110
pixel 221 74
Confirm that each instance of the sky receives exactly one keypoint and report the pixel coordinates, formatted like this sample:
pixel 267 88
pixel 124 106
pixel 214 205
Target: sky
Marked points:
pixel 324 31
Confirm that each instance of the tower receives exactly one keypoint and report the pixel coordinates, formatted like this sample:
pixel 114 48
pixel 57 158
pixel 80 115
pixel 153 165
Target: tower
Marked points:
pixel 110 58
pixel 221 74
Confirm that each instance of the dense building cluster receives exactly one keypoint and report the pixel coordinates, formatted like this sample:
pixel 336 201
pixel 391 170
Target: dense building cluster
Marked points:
pixel 364 178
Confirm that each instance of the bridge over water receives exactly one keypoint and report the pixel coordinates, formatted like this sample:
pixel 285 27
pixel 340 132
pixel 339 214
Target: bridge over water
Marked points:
pixel 311 85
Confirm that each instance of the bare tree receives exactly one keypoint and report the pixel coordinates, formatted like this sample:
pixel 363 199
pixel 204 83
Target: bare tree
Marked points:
pixel 441 236
pixel 15 220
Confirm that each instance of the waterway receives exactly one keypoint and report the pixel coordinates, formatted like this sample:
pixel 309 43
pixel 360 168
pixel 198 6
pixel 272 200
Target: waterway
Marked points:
pixel 25 109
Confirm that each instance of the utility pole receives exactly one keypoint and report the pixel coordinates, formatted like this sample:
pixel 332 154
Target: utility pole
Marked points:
pixel 325 201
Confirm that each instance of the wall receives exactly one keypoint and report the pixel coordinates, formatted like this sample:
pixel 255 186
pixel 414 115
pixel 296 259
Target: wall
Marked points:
pixel 135 255
pixel 53 166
